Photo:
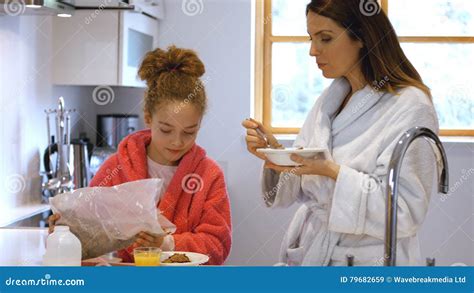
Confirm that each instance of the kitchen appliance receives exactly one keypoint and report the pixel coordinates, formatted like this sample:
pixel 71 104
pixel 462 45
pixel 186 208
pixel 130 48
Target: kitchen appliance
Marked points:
pixel 137 32
pixel 99 156
pixel 70 168
pixel 59 178
pixel 125 38
pixel 151 8
pixel 66 8
pixel 138 35
pixel 113 128
pixel 35 7
pixel 79 161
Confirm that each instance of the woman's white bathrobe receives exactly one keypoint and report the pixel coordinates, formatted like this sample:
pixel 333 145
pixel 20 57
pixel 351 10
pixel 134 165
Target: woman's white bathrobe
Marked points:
pixel 347 216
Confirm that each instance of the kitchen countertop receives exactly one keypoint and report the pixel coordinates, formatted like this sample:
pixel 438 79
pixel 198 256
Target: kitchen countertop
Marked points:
pixel 26 247
pixel 13 215
pixel 22 246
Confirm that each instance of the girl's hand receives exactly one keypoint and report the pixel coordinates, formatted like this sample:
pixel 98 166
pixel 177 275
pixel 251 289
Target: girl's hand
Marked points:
pixel 255 140
pixel 308 167
pixel 146 239
pixel 52 222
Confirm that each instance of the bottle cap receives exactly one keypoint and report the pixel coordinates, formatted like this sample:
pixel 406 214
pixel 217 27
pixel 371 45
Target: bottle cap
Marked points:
pixel 61 228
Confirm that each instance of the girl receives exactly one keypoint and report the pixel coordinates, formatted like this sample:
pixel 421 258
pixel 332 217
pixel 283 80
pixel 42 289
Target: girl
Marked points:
pixel 194 195
pixel 376 96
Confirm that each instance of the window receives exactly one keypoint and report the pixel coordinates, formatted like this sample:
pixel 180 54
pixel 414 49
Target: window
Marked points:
pixel 436 35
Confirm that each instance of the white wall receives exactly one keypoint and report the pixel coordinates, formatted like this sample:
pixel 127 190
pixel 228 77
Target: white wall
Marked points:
pixel 448 231
pixel 25 90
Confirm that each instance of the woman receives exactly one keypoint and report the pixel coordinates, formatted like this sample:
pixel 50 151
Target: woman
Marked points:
pixel 194 195
pixel 376 96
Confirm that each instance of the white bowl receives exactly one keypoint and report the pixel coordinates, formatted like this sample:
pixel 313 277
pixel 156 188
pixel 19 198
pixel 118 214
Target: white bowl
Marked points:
pixel 195 258
pixel 281 157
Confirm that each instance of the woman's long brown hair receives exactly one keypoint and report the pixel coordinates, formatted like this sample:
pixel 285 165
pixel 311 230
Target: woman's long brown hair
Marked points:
pixel 382 58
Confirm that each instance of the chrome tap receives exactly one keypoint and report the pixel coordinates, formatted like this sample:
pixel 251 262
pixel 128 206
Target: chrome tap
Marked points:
pixel 350 260
pixel 430 262
pixel 392 185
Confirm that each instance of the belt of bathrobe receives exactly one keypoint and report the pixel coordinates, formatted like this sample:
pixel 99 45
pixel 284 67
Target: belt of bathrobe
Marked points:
pixel 313 208
pixel 321 211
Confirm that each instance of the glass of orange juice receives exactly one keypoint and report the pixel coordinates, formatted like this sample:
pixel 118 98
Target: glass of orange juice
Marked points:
pixel 147 256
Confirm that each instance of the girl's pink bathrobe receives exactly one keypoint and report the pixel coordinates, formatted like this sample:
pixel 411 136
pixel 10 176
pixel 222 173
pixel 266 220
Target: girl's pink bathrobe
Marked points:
pixel 202 218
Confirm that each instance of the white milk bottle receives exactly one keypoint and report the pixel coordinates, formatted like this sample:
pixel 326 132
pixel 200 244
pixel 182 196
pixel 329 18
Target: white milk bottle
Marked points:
pixel 62 248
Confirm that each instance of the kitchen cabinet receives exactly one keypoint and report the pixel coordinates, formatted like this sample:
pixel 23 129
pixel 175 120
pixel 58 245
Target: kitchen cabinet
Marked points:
pixel 101 47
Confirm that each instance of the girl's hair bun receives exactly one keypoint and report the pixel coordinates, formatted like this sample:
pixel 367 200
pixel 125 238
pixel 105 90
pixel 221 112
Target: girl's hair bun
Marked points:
pixel 173 61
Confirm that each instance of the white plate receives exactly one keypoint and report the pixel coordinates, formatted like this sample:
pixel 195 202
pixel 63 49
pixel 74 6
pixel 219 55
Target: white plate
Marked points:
pixel 281 157
pixel 195 258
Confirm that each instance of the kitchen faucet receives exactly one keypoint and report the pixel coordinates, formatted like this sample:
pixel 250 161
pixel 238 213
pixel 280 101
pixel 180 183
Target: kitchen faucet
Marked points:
pixel 392 186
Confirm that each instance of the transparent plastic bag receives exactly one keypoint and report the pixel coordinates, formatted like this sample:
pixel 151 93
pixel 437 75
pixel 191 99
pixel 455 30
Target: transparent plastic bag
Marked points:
pixel 107 219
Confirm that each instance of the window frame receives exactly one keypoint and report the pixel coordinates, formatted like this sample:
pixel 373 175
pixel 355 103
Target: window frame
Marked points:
pixel 263 65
